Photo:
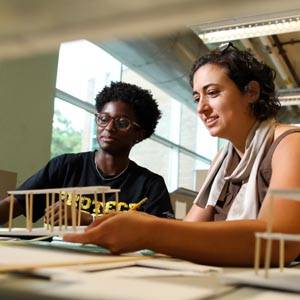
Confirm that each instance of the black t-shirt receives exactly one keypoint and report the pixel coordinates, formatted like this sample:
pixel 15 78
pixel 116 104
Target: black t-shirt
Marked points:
pixel 75 170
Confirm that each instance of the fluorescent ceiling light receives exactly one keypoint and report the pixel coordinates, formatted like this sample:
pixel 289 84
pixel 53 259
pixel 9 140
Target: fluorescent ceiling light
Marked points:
pixel 289 100
pixel 251 30
pixel 289 97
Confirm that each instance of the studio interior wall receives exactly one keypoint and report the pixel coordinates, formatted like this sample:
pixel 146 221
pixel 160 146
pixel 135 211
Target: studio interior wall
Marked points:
pixel 27 88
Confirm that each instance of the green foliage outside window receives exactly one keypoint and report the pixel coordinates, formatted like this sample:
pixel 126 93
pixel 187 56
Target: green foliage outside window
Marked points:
pixel 65 139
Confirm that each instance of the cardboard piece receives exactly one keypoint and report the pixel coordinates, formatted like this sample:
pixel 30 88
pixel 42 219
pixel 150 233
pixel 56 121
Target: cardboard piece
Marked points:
pixel 8 181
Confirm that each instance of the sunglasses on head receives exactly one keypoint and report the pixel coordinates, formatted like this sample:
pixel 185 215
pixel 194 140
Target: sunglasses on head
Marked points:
pixel 223 48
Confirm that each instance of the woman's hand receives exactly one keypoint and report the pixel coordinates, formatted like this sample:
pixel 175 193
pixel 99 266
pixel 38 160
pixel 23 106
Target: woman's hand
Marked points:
pixel 86 218
pixel 119 232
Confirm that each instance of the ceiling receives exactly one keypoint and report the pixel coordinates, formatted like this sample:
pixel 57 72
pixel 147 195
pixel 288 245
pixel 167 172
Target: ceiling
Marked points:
pixel 33 26
pixel 37 26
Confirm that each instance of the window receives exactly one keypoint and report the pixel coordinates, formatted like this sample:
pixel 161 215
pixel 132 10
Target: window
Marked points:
pixel 154 156
pixel 166 104
pixel 188 128
pixel 72 129
pixel 187 167
pixel 84 69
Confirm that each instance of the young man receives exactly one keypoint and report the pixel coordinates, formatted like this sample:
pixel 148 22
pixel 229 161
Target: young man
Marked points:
pixel 126 115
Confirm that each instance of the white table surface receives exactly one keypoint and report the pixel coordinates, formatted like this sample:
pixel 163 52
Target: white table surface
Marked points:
pixel 130 283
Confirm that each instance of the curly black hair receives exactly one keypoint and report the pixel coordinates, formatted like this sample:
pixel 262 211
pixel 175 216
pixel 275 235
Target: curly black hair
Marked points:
pixel 242 67
pixel 142 102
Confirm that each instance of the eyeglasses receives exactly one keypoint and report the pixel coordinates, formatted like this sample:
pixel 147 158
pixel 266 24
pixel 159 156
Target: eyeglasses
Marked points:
pixel 223 48
pixel 121 123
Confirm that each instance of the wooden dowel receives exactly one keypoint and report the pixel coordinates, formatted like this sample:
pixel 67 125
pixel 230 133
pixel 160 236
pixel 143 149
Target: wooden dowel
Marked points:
pixel 66 211
pixel 257 254
pixel 11 208
pixel 117 200
pixel 79 210
pixel 268 256
pixel 52 211
pixel 73 212
pixel 30 211
pixel 27 210
pixel 70 262
pixel 47 210
pixel 269 241
pixel 103 203
pixel 60 212
pixel 281 254
pixel 96 204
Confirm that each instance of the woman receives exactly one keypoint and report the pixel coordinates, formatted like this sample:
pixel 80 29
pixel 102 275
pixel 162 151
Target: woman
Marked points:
pixel 126 115
pixel 236 100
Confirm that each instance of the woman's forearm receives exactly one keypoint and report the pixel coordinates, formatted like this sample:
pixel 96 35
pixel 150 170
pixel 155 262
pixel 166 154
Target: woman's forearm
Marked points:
pixel 223 243
pixel 220 243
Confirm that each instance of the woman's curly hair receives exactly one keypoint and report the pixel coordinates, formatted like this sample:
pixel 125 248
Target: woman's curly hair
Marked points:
pixel 242 67
pixel 142 102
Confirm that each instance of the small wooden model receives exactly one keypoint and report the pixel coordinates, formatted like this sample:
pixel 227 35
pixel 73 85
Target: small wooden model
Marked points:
pixel 269 235
pixel 50 198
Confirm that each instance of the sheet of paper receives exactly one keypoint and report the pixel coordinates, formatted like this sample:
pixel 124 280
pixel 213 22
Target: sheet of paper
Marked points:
pixel 138 271
pixel 107 285
pixel 17 256
pixel 287 280
pixel 269 295
pixel 177 265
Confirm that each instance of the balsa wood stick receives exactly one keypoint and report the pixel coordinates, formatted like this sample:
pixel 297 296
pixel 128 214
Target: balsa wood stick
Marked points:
pixel 52 211
pixel 96 204
pixel 47 210
pixel 281 254
pixel 73 212
pixel 30 211
pixel 79 210
pixel 257 254
pixel 27 210
pixel 95 260
pixel 117 200
pixel 268 256
pixel 60 211
pixel 103 203
pixel 11 209
pixel 269 241
pixel 66 211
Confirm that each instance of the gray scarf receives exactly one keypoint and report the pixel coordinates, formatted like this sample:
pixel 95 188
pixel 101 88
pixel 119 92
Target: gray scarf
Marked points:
pixel 245 204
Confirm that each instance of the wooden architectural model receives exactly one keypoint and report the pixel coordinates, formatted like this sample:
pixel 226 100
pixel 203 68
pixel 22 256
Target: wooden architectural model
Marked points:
pixel 286 279
pixel 269 235
pixel 51 196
